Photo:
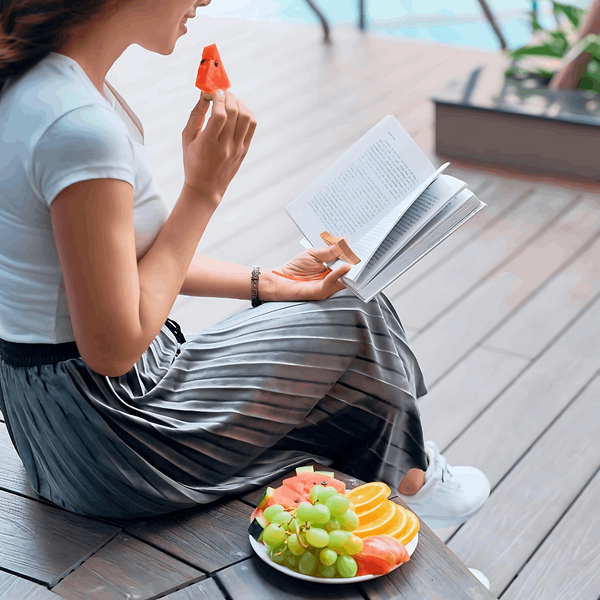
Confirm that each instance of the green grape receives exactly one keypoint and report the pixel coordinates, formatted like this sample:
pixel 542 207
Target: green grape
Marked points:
pixel 271 511
pixel 337 505
pixel 314 493
pixel 338 538
pixel 349 520
pixel 317 537
pixel 353 545
pixel 346 566
pixel 282 518
pixel 294 545
pixel 305 512
pixel 291 561
pixel 328 556
pixel 333 525
pixel 307 563
pixel 329 572
pixel 277 554
pixel 326 493
pixel 321 514
pixel 273 535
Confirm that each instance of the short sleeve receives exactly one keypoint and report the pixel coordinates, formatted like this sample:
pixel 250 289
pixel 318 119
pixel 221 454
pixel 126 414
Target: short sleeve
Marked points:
pixel 86 143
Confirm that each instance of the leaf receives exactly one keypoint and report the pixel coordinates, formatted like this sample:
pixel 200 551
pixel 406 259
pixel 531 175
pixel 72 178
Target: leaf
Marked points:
pixel 555 47
pixel 535 24
pixel 573 13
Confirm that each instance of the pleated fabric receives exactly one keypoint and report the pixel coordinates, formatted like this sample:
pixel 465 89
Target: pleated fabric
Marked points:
pixel 228 410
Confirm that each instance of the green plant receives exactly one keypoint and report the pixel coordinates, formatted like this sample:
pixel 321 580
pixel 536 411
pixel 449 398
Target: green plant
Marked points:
pixel 558 43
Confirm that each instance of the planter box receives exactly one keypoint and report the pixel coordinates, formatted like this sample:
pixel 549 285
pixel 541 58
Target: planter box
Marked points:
pixel 485 118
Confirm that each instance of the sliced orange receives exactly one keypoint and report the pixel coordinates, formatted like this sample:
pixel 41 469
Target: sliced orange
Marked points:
pixel 380 525
pixel 372 514
pixel 411 528
pixel 399 523
pixel 368 496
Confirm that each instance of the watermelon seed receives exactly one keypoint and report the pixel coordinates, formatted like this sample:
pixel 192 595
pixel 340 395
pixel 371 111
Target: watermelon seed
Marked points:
pixel 216 64
pixel 202 61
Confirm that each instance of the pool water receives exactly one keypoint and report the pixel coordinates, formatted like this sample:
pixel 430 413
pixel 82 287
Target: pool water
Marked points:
pixel 459 22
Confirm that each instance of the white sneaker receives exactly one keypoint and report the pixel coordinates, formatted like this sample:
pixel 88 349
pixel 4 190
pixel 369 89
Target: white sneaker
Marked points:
pixel 450 495
pixel 484 580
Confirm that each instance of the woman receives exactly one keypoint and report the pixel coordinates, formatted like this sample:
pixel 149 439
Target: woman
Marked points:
pixel 113 412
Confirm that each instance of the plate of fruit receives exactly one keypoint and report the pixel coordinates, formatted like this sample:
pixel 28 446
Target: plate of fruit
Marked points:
pixel 312 528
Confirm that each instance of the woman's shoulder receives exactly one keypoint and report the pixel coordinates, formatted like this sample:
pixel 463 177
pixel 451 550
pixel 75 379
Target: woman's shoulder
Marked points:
pixel 53 89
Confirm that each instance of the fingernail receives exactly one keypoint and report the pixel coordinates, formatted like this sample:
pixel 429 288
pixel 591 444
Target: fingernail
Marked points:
pixel 220 92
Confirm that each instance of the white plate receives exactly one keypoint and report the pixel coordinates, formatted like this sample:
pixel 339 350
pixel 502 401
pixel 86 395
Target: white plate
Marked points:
pixel 263 554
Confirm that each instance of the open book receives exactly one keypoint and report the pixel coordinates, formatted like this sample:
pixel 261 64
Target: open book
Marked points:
pixel 388 201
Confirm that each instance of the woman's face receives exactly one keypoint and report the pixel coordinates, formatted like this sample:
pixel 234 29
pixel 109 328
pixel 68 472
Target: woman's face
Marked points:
pixel 160 23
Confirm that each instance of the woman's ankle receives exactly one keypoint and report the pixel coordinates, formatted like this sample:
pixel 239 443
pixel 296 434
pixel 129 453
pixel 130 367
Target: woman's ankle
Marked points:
pixel 412 482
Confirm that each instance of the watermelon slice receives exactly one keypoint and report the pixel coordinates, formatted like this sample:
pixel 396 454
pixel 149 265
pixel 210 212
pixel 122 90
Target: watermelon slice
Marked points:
pixel 211 74
pixel 304 482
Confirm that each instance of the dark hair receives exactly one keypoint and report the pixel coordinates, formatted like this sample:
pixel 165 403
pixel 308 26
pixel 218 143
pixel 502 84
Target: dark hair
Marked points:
pixel 29 29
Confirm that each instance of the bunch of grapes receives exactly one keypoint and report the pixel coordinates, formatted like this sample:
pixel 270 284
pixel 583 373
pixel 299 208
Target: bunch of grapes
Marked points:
pixel 315 538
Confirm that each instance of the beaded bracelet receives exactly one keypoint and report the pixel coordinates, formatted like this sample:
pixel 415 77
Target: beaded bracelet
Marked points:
pixel 255 300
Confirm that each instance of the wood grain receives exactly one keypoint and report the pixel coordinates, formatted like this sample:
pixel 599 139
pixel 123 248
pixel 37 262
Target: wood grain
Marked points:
pixel 553 307
pixel 43 542
pixel 567 564
pixel 126 568
pixel 501 293
pixel 203 590
pixel 534 495
pixel 17 588
pixel 252 578
pixel 529 405
pixel 208 537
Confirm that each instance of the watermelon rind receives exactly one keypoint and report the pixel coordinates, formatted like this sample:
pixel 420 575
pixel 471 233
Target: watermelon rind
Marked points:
pixel 309 469
pixel 265 497
pixel 328 473
pixel 257 528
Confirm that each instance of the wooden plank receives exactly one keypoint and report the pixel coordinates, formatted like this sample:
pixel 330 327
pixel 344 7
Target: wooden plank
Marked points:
pixel 433 572
pixel 477 316
pixel 452 404
pixel 203 590
pixel 529 405
pixel 126 568
pixel 552 308
pixel 433 296
pixel 17 588
pixel 531 499
pixel 209 537
pixel 12 475
pixel 252 578
pixel 567 565
pixel 44 543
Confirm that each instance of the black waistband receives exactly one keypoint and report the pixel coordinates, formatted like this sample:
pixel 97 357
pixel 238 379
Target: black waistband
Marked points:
pixel 17 354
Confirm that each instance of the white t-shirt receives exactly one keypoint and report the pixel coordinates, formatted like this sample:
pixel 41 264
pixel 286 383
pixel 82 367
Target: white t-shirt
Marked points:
pixel 57 129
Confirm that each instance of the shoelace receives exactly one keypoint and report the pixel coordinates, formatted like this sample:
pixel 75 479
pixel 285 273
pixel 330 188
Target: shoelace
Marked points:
pixel 441 462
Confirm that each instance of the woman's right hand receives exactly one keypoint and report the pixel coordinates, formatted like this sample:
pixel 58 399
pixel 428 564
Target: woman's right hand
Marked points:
pixel 211 157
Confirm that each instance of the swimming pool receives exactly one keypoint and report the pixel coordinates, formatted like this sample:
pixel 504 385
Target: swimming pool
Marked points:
pixel 458 22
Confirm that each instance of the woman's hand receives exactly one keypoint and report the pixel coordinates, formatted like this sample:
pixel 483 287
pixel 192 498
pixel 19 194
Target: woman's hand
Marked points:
pixel 305 277
pixel 212 157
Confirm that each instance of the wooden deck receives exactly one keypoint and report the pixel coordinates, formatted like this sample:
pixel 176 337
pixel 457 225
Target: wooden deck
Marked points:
pixel 503 317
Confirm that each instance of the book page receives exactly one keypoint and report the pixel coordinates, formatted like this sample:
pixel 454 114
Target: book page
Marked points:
pixel 425 208
pixel 363 186
pixel 459 210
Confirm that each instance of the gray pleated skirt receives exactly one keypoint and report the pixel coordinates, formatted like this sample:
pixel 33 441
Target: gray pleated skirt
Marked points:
pixel 226 411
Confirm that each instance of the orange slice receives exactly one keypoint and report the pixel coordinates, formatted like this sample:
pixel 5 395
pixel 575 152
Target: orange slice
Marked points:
pixel 380 525
pixel 368 496
pixel 410 529
pixel 399 523
pixel 372 514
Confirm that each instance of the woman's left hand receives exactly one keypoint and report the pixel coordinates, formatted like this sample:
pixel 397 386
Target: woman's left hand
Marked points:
pixel 305 277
